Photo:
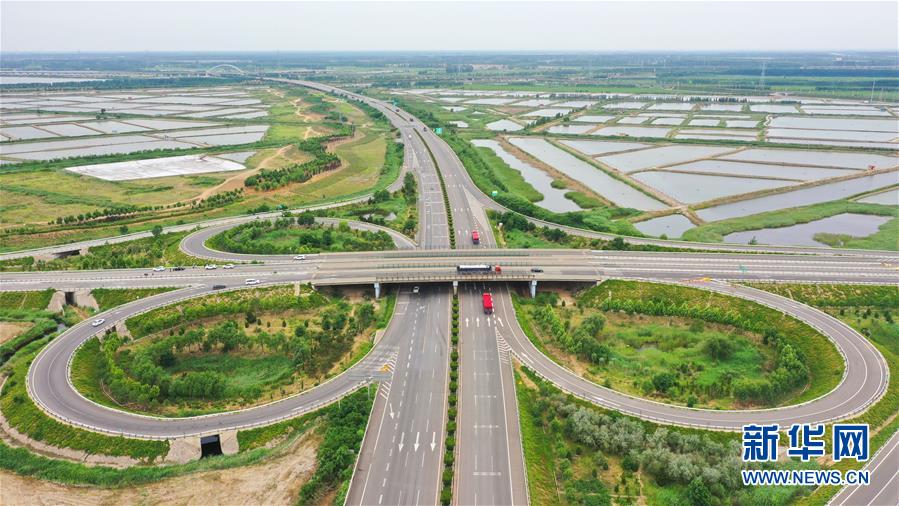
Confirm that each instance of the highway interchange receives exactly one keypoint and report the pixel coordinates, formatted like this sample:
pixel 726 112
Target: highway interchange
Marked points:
pixel 401 457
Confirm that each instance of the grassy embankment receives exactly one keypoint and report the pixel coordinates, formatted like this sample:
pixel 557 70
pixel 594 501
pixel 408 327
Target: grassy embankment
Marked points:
pixel 340 427
pixel 683 345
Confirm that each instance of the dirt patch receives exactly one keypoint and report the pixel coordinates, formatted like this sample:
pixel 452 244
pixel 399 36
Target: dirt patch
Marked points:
pixel 275 481
pixel 9 330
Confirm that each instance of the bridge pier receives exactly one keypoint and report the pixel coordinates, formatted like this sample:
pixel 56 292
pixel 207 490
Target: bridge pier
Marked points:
pixel 455 288
pixel 377 290
pixel 533 285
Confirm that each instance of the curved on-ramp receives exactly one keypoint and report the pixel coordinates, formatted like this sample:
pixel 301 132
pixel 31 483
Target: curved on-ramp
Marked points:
pixel 49 384
pixel 865 379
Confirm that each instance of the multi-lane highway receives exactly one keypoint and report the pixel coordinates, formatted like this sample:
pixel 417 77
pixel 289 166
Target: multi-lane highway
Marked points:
pixel 401 457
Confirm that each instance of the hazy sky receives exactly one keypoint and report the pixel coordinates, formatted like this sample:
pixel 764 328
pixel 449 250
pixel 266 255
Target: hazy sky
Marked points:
pixel 324 26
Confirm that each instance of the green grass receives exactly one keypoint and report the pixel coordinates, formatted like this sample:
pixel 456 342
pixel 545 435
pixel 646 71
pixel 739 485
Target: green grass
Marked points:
pixel 583 200
pixel 885 239
pixel 564 468
pixel 511 178
pixel 37 300
pixel 823 360
pixel 538 446
pixel 241 371
pixel 292 238
pixel 263 367
pixel 641 346
pixel 108 298
pixel 22 414
pixel 39 193
pixel 146 252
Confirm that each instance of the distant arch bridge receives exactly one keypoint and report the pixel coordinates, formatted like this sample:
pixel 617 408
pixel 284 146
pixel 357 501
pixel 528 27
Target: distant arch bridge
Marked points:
pixel 225 69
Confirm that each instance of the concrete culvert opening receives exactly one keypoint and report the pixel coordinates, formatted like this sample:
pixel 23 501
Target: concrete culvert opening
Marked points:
pixel 210 446
pixel 70 298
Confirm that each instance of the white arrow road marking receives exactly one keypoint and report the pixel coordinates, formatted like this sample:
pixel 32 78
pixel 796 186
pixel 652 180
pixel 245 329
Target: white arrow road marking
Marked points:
pixel 391 411
pixel 466 322
pixel 402 437
pixel 433 440
pixel 416 441
pixel 478 321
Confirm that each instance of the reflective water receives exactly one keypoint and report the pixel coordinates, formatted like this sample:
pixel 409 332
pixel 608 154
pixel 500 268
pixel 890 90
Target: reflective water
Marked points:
pixel 857 225
pixel 801 197
pixel 809 157
pixel 594 148
pixel 695 188
pixel 656 157
pixel 673 226
pixel 887 198
pixel 626 131
pixel 504 125
pixel 570 129
pixel 553 198
pixel 761 170
pixel 610 188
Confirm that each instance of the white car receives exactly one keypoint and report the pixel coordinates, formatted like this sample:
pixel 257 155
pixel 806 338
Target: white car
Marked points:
pixel 252 282
pixel 158 269
pixel 228 266
pixel 414 289
pixel 98 322
pixel 300 257
pixel 211 267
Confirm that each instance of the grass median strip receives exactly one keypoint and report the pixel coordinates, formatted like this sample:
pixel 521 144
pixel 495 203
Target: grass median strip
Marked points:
pixel 449 456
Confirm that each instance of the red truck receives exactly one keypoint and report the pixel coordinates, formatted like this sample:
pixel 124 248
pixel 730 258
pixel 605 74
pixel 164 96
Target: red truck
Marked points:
pixel 475 238
pixel 488 303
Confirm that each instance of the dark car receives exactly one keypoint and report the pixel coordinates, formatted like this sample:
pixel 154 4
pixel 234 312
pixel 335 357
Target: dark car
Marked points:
pixel 218 287
pixel 179 268
pixel 536 269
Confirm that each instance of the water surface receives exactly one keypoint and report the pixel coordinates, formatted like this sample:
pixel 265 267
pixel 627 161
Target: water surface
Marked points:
pixel 613 190
pixel 800 197
pixel 856 225
pixel 553 198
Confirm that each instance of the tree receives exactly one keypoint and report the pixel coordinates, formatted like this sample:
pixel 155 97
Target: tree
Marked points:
pixel 618 244
pixel 718 348
pixel 156 231
pixel 663 381
pixel 698 493
pixel 306 218
pixel 123 229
